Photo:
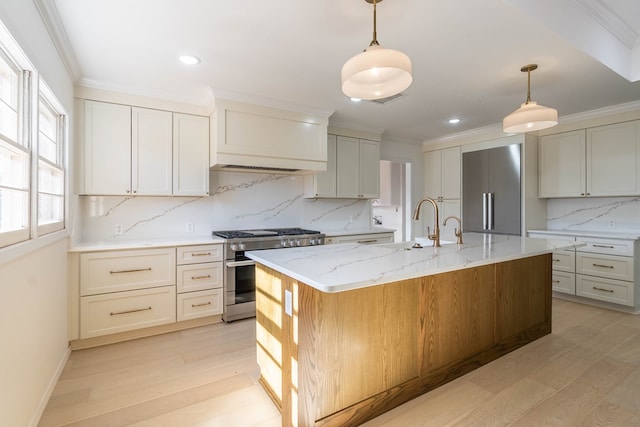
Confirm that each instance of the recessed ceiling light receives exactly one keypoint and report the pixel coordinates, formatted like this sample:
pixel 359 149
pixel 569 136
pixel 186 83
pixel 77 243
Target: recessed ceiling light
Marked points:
pixel 356 99
pixel 189 59
pixel 454 121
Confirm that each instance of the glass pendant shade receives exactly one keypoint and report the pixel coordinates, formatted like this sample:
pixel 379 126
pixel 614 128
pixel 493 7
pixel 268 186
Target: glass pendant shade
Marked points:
pixel 530 117
pixel 376 73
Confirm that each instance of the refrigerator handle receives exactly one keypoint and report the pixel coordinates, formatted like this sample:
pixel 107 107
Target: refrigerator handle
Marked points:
pixel 490 210
pixel 484 211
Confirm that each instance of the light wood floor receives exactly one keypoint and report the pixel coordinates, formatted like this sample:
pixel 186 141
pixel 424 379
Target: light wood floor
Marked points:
pixel 586 373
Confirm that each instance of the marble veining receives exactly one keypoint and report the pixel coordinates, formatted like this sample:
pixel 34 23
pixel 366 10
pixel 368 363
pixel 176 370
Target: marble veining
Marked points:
pixel 335 268
pixel 238 200
pixel 594 214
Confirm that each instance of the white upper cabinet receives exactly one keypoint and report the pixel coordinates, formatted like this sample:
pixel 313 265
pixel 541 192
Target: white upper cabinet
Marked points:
pixel 190 155
pixel 358 168
pixel 151 152
pixel 107 149
pixel 599 161
pixel 562 163
pixel 613 160
pixel 353 170
pixel 442 173
pixel 144 152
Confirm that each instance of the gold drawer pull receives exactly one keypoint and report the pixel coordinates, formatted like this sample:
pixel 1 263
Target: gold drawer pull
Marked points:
pixel 202 254
pixel 367 241
pixel 208 276
pixel 555 281
pixel 117 313
pixel 603 246
pixel 555 259
pixel 130 271
pixel 603 266
pixel 602 289
pixel 201 305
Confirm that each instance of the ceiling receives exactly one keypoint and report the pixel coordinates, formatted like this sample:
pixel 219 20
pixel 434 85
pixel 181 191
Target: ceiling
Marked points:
pixel 466 55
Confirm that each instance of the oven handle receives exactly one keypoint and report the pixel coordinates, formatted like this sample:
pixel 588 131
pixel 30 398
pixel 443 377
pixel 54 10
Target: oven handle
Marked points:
pixel 240 263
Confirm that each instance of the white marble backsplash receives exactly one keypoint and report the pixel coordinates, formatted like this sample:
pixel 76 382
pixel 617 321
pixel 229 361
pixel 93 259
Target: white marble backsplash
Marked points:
pixel 237 201
pixel 619 214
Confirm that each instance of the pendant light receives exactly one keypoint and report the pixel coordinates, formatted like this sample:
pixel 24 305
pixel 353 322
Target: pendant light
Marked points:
pixel 530 116
pixel 377 72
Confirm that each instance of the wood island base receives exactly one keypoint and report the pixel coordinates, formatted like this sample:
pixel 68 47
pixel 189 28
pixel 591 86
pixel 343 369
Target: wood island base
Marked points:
pixel 340 359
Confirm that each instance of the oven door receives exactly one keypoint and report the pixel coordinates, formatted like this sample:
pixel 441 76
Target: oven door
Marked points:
pixel 240 289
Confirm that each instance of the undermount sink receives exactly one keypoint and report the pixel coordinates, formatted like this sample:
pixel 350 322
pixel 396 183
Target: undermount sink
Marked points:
pixel 424 241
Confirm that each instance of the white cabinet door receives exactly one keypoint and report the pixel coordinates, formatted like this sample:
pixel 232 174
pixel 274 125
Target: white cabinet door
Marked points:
pixel 190 155
pixel 451 173
pixel 107 149
pixel 348 167
pixel 562 165
pixel 433 174
pixel 151 152
pixel 443 173
pixel 613 160
pixel 369 169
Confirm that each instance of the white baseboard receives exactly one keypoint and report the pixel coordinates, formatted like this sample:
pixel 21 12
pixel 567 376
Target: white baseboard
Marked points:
pixel 49 390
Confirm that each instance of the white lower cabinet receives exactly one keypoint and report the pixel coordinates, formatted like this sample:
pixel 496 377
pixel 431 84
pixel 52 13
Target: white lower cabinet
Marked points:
pixel 603 269
pixel 124 290
pixel 199 281
pixel 124 311
pixel 192 305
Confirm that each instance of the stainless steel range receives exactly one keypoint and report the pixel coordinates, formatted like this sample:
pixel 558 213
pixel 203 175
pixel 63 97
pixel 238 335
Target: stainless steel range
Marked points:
pixel 239 272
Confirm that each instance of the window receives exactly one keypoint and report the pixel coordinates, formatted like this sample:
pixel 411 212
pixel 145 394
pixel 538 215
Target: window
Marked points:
pixel 51 182
pixel 14 157
pixel 33 135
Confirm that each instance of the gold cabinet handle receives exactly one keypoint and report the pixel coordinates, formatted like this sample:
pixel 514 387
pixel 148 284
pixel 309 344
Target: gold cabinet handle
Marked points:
pixel 602 246
pixel 602 289
pixel 603 266
pixel 202 254
pixel 201 305
pixel 555 281
pixel 208 276
pixel 368 241
pixel 117 313
pixel 555 259
pixel 129 271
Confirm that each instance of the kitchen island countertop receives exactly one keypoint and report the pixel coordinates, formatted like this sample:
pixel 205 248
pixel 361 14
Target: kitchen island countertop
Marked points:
pixel 343 267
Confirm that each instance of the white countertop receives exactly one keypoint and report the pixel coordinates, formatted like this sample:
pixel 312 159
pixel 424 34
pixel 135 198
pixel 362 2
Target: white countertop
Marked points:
pixel 336 268
pixel 143 244
pixel 598 234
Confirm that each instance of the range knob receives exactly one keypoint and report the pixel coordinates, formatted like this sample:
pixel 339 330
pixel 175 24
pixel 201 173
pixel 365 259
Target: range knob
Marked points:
pixel 234 247
pixel 283 243
pixel 242 246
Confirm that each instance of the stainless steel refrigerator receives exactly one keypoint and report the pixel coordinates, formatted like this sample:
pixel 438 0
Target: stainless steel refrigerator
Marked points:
pixel 491 194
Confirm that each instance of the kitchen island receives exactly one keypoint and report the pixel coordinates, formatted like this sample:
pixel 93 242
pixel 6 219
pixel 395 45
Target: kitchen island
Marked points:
pixel 347 332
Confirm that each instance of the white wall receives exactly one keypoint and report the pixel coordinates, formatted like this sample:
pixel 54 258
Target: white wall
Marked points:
pixel 33 286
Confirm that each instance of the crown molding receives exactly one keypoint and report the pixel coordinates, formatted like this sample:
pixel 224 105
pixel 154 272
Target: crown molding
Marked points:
pixel 610 20
pixel 51 19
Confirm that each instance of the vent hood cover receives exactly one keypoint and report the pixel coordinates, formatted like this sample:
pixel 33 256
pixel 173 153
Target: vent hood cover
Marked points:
pixel 264 139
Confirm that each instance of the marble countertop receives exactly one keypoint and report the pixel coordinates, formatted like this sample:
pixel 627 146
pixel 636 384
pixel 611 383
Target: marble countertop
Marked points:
pixel 142 244
pixel 598 234
pixel 342 267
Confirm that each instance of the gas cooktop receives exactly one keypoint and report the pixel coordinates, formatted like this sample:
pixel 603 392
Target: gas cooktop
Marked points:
pixel 248 234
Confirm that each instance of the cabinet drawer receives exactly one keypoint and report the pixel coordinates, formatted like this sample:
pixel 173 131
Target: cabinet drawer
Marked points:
pixel 363 239
pixel 563 282
pixel 199 304
pixel 125 311
pixel 606 246
pixel 196 277
pixel 199 254
pixel 103 272
pixel 564 261
pixel 609 290
pixel 612 267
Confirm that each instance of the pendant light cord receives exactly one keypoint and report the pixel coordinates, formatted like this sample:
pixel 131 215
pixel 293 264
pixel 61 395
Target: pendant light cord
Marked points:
pixel 375 33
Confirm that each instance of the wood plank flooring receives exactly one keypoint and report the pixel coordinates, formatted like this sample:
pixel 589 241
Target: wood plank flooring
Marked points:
pixel 586 373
